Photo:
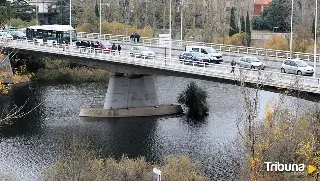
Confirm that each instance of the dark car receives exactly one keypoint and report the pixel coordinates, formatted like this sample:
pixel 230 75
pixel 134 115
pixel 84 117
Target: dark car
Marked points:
pixel 193 57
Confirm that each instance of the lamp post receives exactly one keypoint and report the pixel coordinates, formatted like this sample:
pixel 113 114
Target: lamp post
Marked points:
pixel 100 17
pixel 70 23
pixel 291 29
pixel 170 32
pixel 37 11
pixel 315 41
pixel 181 11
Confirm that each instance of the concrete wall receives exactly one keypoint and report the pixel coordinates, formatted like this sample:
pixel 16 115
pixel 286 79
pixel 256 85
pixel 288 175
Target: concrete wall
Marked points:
pixel 125 92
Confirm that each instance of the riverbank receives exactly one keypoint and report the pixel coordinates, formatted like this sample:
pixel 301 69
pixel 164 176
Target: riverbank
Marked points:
pixel 59 70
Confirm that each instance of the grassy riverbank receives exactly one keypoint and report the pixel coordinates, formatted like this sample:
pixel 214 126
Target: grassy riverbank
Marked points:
pixel 58 70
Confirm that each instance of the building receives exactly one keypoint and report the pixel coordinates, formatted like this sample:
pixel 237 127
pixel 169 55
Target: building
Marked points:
pixel 45 12
pixel 259 6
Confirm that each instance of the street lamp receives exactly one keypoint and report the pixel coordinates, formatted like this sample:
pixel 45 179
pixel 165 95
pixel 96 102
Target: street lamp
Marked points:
pixel 315 41
pixel 37 11
pixel 181 11
pixel 100 17
pixel 291 29
pixel 170 32
pixel 70 24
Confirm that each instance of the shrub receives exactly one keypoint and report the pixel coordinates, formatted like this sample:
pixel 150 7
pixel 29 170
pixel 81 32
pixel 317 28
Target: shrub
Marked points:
pixel 79 75
pixel 238 39
pixel 194 98
pixel 181 168
pixel 84 166
pixel 277 43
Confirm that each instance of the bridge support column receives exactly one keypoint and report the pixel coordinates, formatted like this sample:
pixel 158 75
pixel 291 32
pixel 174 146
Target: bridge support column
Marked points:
pixel 130 92
pixel 133 96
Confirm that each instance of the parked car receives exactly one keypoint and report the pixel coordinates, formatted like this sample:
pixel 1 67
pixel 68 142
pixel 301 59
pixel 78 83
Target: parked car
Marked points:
pixel 295 66
pixel 5 36
pixel 105 45
pixel 142 51
pixel 210 52
pixel 193 57
pixel 251 63
pixel 18 35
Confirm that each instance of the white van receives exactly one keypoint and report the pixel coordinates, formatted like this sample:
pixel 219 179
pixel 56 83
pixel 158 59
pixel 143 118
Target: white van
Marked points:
pixel 5 36
pixel 210 52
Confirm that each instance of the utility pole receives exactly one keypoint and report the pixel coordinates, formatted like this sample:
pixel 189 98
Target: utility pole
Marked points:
pixel 315 40
pixel 291 28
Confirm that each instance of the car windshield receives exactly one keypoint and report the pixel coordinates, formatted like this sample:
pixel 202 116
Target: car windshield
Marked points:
pixel 302 64
pixel 211 50
pixel 105 43
pixel 144 48
pixel 254 60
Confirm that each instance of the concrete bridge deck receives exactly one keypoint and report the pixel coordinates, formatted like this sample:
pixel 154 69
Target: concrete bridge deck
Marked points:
pixel 160 65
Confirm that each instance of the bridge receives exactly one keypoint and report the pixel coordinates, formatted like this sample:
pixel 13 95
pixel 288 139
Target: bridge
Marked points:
pixel 139 90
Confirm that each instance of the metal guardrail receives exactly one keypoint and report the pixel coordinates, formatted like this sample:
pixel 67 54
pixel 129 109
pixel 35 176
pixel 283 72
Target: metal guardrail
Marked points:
pixel 177 44
pixel 297 82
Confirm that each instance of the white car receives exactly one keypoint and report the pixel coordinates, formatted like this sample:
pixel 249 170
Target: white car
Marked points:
pixel 5 36
pixel 251 63
pixel 141 51
pixel 295 66
pixel 211 53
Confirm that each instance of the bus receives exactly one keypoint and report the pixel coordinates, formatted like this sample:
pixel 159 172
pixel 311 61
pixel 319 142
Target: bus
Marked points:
pixel 51 33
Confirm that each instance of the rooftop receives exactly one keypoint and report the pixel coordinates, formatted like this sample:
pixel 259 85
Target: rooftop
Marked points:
pixel 264 2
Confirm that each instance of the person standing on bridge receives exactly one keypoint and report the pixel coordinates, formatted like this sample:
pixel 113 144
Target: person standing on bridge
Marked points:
pixel 132 37
pixel 119 48
pixel 233 65
pixel 114 48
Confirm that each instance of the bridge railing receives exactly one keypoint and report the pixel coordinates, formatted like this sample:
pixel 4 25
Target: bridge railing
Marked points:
pixel 177 65
pixel 177 44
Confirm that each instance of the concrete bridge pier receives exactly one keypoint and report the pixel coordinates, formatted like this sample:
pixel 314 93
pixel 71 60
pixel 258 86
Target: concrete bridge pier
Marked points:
pixel 131 96
pixel 131 91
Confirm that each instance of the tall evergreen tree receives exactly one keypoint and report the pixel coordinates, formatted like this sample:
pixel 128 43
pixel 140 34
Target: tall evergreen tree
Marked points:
pixel 248 30
pixel 243 24
pixel 96 10
pixel 313 27
pixel 233 26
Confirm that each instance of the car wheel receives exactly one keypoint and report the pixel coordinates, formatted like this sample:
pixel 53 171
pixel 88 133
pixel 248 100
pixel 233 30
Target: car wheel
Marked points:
pixel 299 72
pixel 282 70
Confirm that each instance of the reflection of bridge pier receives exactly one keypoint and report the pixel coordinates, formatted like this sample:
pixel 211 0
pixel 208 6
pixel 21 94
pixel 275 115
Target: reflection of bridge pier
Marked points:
pixel 131 96
pixel 6 74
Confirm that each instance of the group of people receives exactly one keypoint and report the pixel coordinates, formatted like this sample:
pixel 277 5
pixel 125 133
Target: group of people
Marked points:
pixel 88 44
pixel 115 48
pixel 135 37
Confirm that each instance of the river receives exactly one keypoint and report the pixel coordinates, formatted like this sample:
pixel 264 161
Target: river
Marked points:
pixel 33 142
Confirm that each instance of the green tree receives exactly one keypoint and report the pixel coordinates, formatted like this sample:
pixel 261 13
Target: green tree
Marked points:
pixel 96 10
pixel 248 30
pixel 278 15
pixel 23 10
pixel 4 15
pixel 243 24
pixel 313 27
pixel 62 12
pixel 233 26
pixel 194 98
